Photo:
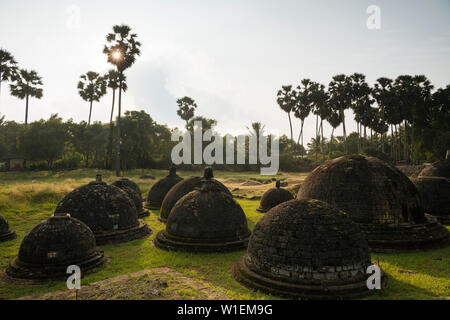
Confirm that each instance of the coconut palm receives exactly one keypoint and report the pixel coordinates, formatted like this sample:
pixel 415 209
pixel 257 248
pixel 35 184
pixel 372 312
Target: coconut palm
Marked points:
pixel 122 48
pixel 321 110
pixel 257 129
pixel 91 88
pixel 186 109
pixel 26 84
pixel 360 101
pixel 8 67
pixel 286 101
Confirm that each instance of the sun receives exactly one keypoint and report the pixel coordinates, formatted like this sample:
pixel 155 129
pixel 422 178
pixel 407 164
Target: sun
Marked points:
pixel 117 55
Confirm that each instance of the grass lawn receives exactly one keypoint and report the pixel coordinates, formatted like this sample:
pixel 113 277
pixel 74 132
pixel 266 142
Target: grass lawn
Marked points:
pixel 28 198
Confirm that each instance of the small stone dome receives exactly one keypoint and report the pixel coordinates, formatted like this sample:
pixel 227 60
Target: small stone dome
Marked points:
pixel 53 245
pixel 274 197
pixel 107 210
pixel 437 169
pixel 125 182
pixel 5 233
pixel 134 195
pixel 179 190
pixel 435 195
pixel 380 198
pixel 159 190
pixel 306 249
pixel 207 219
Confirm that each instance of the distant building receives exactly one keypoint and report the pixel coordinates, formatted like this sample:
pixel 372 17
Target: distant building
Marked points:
pixel 12 162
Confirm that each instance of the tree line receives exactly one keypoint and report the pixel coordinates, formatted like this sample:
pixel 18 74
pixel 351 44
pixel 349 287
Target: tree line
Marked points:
pixel 418 118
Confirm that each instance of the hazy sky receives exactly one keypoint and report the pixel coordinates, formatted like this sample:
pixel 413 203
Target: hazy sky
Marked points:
pixel 230 56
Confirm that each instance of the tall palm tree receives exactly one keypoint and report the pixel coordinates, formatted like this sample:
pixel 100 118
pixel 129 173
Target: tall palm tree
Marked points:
pixel 286 101
pixel 114 78
pixel 360 101
pixel 122 48
pixel 257 129
pixel 8 67
pixel 322 110
pixel 91 88
pixel 340 99
pixel 304 105
pixel 186 108
pixel 27 84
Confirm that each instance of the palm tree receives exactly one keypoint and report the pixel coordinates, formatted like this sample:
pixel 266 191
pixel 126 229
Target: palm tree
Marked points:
pixel 334 119
pixel 304 105
pixel 286 101
pixel 360 101
pixel 340 99
pixel 8 67
pixel 186 109
pixel 91 88
pixel 113 78
pixel 26 84
pixel 321 110
pixel 257 129
pixel 122 48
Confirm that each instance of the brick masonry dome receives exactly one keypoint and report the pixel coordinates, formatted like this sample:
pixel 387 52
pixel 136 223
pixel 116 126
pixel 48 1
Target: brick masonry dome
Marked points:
pixel 437 169
pixel 181 189
pixel 53 245
pixel 107 210
pixel 379 197
pixel 159 190
pixel 207 219
pixel 274 197
pixel 5 233
pixel 307 249
pixel 134 195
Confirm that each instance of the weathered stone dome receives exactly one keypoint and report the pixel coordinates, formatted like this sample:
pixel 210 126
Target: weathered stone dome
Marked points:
pixel 307 249
pixel 159 190
pixel 274 197
pixel 5 233
pixel 53 245
pixel 380 198
pixel 107 210
pixel 179 190
pixel 437 169
pixel 125 182
pixel 207 219
pixel 433 184
pixel 126 185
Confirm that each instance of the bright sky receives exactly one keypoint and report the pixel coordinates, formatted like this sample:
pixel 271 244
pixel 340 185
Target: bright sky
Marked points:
pixel 230 56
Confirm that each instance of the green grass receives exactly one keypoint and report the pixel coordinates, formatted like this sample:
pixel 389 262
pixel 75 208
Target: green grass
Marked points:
pixel 28 198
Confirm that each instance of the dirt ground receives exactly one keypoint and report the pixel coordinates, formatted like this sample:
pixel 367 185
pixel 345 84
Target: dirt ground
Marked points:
pixel 256 187
pixel 161 283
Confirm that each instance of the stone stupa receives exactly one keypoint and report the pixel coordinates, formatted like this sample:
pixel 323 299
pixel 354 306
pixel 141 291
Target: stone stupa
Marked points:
pixel 53 245
pixel 380 198
pixel 181 189
pixel 207 219
pixel 433 183
pixel 107 210
pixel 134 192
pixel 274 197
pixel 306 249
pixel 5 232
pixel 159 190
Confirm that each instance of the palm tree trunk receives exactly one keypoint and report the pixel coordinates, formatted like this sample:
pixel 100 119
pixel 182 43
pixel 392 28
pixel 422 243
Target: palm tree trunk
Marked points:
pixel 112 107
pixel 321 139
pixel 90 112
pixel 111 133
pixel 290 125
pixel 26 110
pixel 118 130
pixel 344 131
